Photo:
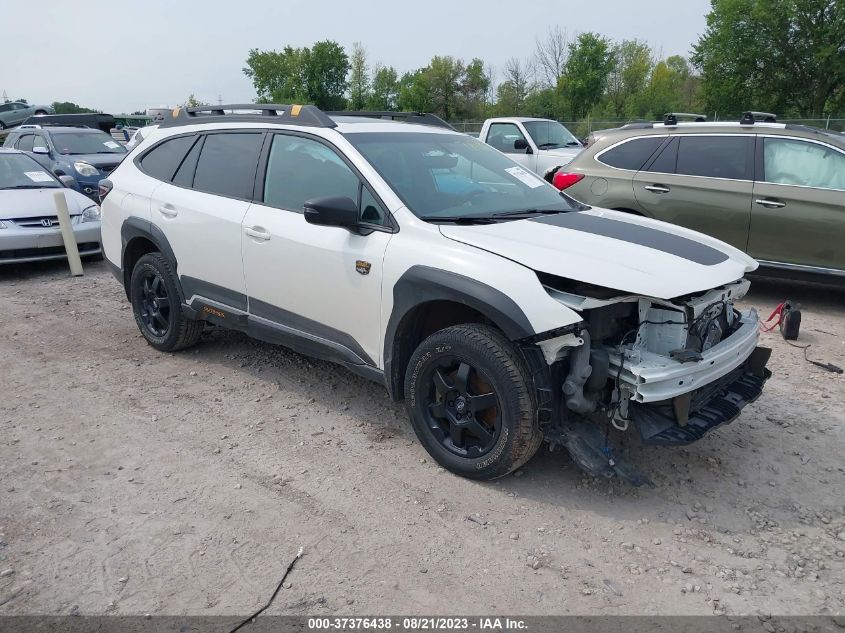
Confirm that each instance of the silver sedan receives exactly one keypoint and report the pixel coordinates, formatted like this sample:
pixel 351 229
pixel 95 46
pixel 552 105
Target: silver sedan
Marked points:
pixel 29 226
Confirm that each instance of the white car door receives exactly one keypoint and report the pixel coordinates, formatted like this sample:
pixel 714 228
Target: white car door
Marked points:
pixel 201 208
pixel 321 282
pixel 509 139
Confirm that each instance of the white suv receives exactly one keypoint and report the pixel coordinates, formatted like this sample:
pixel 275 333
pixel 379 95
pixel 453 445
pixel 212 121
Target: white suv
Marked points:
pixel 501 310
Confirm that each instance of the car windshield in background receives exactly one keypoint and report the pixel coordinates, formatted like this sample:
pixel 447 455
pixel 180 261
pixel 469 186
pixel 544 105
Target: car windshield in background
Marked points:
pixel 453 176
pixel 18 171
pixel 551 134
pixel 92 142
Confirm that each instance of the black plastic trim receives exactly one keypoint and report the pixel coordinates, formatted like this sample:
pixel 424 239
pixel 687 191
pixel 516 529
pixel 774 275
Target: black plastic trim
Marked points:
pixel 422 284
pixel 198 287
pixel 310 328
pixel 134 227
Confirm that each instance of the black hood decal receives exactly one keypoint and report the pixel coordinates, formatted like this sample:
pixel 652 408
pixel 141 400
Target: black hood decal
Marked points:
pixel 636 234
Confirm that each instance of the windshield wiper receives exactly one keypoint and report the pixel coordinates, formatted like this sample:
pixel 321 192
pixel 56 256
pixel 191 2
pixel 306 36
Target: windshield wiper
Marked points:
pixel 527 213
pixel 45 186
pixel 549 145
pixel 482 219
pixel 574 144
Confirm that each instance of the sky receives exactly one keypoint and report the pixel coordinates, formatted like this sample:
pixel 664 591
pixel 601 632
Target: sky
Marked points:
pixel 120 56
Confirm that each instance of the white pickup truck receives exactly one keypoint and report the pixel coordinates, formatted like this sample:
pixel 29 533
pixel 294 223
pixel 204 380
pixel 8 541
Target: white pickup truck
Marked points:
pixel 541 145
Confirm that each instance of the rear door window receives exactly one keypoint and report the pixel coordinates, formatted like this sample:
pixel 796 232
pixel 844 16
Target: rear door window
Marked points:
pixel 715 156
pixel 633 154
pixel 666 160
pixel 803 164
pixel 227 164
pixel 184 176
pixel 162 161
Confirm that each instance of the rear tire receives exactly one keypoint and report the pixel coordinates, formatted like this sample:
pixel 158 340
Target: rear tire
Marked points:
pixel 157 305
pixel 471 402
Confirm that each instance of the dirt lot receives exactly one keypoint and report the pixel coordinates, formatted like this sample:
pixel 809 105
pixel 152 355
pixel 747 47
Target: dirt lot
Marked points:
pixel 136 482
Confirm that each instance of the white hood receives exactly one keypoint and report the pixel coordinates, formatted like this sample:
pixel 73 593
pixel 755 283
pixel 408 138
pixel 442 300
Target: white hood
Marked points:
pixel 611 249
pixel 28 203
pixel 567 153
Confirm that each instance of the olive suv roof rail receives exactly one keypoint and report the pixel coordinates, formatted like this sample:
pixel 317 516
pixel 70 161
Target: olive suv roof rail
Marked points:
pixel 422 118
pixel 750 118
pixel 308 115
pixel 671 118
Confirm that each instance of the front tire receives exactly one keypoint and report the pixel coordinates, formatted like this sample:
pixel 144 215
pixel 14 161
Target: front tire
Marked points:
pixel 469 396
pixel 157 305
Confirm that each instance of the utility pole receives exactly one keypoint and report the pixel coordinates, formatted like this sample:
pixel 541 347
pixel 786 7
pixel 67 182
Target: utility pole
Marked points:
pixel 219 99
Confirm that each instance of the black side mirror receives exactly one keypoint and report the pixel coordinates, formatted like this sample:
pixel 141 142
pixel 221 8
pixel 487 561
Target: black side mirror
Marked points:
pixel 520 144
pixel 332 211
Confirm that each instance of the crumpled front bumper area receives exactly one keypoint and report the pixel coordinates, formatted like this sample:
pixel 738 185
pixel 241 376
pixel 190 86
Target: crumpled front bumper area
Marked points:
pixel 686 419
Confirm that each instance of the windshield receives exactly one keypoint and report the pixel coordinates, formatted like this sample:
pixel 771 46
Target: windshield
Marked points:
pixel 455 176
pixel 18 171
pixel 551 134
pixel 86 142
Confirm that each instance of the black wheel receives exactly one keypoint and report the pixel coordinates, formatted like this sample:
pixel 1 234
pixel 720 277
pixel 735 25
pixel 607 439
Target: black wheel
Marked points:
pixel 2 125
pixel 156 304
pixel 469 397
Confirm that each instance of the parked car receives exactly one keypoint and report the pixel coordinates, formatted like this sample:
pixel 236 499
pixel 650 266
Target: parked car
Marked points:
pixel 14 113
pixel 541 145
pixel 29 226
pixel 504 312
pixel 85 154
pixel 94 120
pixel 775 191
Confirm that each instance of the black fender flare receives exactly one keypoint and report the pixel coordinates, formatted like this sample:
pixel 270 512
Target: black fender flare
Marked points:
pixel 422 284
pixel 135 227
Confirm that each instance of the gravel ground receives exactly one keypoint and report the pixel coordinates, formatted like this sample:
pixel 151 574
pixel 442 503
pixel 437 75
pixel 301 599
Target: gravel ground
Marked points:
pixel 137 482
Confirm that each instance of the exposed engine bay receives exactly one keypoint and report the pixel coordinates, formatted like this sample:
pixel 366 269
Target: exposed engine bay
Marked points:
pixel 673 369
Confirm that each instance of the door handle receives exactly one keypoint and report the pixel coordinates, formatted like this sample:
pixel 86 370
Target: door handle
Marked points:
pixel 657 189
pixel 168 211
pixel 258 233
pixel 770 204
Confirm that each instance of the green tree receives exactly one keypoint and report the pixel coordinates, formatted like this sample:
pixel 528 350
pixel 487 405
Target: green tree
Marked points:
pixel 586 73
pixel 300 75
pixel 516 87
pixel 68 107
pixel 415 91
pixel 193 102
pixel 444 80
pixel 628 79
pixel 385 89
pixel 783 55
pixel 474 89
pixel 326 72
pixel 279 76
pixel 359 80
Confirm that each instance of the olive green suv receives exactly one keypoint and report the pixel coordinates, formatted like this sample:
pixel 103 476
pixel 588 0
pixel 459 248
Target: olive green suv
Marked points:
pixel 773 190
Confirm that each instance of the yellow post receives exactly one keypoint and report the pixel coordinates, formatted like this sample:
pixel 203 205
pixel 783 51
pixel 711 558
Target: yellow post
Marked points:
pixel 67 234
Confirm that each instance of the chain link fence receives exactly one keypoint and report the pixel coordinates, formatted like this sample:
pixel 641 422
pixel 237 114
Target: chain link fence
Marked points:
pixel 585 127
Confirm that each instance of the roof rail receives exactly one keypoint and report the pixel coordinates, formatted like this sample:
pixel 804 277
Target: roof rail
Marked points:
pixel 421 118
pixel 671 118
pixel 750 118
pixel 250 113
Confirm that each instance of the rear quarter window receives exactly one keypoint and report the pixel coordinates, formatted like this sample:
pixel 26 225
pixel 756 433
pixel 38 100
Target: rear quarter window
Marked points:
pixel 162 161
pixel 227 164
pixel 631 154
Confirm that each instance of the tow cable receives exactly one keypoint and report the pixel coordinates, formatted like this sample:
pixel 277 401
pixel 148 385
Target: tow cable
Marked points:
pixel 789 322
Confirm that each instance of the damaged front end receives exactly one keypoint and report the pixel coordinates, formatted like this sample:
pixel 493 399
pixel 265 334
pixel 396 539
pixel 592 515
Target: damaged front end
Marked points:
pixel 672 370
